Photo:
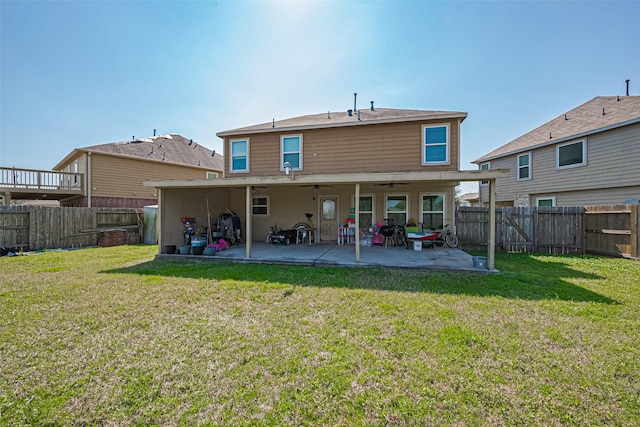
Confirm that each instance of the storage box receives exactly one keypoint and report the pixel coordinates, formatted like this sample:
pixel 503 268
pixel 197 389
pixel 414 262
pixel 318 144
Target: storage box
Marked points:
pixel 417 245
pixel 366 240
pixel 480 262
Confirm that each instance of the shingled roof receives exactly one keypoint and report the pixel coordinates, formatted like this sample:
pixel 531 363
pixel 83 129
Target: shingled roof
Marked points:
pixel 600 114
pixel 342 118
pixel 170 148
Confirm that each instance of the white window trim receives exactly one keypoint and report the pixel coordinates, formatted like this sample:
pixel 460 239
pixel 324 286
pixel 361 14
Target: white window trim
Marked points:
pixel 528 165
pixel 373 205
pixel 444 206
pixel 267 205
pixel 577 165
pixel 386 199
pixel 552 198
pixel 488 168
pixel 282 153
pixel 212 175
pixel 447 144
pixel 231 170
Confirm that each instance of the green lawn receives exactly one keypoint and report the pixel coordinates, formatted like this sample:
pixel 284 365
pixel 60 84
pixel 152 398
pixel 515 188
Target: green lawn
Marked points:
pixel 111 336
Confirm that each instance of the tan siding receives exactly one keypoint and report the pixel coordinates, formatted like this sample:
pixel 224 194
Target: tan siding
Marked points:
pixel 612 161
pixel 609 196
pixel 121 177
pixel 374 148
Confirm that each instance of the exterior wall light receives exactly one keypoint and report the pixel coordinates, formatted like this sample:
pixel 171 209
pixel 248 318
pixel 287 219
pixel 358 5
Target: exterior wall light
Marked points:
pixel 288 169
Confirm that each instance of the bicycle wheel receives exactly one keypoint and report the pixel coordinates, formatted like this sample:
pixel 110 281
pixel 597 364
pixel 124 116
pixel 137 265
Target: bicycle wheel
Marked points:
pixel 451 239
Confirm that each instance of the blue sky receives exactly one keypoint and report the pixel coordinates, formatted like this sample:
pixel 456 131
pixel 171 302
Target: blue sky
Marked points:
pixel 80 73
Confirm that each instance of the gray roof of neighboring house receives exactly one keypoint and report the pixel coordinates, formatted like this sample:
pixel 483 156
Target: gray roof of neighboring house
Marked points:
pixel 468 196
pixel 342 118
pixel 171 148
pixel 586 119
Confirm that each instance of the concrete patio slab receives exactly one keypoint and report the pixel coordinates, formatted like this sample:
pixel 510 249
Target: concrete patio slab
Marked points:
pixel 437 258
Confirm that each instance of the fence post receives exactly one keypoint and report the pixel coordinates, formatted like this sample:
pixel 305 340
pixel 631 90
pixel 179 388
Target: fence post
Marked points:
pixel 633 227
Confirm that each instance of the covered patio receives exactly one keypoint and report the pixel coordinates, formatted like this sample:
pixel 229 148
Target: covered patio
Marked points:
pixel 291 198
pixel 325 254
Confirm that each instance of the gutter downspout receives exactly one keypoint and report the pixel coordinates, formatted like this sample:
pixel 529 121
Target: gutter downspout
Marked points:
pixel 88 182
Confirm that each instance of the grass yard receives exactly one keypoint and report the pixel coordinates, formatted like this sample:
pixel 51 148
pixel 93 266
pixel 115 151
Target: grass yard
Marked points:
pixel 111 336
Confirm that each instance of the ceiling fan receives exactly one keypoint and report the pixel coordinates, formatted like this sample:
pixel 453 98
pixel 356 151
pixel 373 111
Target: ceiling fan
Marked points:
pixel 390 185
pixel 253 187
pixel 316 186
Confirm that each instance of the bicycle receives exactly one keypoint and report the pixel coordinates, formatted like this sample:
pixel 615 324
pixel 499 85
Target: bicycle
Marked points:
pixel 446 236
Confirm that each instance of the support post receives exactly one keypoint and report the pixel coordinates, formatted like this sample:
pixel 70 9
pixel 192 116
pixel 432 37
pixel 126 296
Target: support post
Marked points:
pixel 249 222
pixel 491 244
pixel 357 224
pixel 159 217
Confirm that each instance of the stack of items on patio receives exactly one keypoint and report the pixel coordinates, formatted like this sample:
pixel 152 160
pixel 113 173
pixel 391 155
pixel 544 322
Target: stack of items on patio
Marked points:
pixel 210 239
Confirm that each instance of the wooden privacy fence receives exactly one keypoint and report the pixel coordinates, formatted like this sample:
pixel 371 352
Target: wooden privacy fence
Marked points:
pixel 37 227
pixel 606 230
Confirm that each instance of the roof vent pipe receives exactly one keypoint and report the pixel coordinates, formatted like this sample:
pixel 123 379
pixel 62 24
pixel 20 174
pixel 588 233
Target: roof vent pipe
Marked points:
pixel 627 82
pixel 358 115
pixel 372 106
pixel 273 123
pixel 154 132
pixel 355 95
pixel 350 113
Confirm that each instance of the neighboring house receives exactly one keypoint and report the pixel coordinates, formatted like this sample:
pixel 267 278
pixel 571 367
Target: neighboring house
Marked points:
pixel 114 174
pixel 468 200
pixel 587 156
pixel 375 164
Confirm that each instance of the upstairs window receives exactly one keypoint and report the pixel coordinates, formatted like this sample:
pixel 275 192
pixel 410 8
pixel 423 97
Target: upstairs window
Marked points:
pixel 435 145
pixel 485 167
pixel 524 166
pixel 291 148
pixel 239 161
pixel 571 155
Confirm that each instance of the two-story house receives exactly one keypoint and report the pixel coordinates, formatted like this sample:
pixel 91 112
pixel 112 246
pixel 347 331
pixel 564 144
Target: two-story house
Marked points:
pixel 375 164
pixel 587 156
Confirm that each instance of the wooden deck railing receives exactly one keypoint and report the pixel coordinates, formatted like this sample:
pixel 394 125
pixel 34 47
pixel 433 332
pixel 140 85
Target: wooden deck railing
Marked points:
pixel 30 179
